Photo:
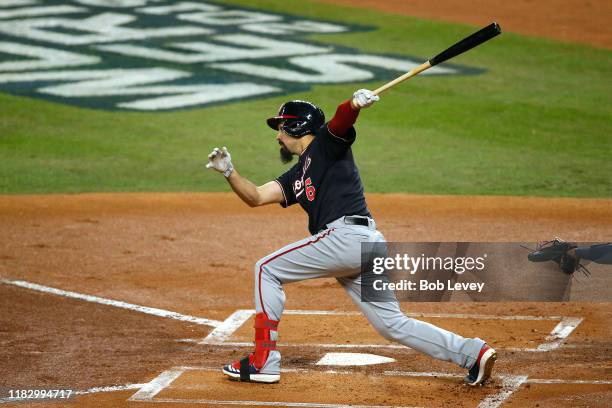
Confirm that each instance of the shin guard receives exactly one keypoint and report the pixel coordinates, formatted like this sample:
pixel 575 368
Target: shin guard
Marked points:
pixel 265 338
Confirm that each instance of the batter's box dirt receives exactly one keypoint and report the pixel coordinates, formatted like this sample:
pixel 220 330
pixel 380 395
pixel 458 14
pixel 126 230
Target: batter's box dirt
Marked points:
pixel 351 330
pixel 561 395
pixel 326 389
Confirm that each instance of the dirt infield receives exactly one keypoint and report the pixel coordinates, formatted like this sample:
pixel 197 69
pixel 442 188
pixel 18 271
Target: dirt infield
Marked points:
pixel 193 254
pixel 586 22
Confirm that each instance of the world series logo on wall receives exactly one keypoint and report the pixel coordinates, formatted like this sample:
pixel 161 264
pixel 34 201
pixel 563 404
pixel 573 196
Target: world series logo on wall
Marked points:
pixel 149 55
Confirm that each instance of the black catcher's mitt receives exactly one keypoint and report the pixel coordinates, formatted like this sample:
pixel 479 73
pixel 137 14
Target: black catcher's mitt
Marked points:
pixel 560 252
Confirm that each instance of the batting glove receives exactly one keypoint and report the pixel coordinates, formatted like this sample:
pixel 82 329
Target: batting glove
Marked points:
pixel 220 160
pixel 364 98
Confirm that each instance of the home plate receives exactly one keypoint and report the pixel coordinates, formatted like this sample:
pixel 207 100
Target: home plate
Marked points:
pixel 353 359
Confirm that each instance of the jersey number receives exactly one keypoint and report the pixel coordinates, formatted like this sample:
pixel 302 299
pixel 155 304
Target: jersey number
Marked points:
pixel 310 190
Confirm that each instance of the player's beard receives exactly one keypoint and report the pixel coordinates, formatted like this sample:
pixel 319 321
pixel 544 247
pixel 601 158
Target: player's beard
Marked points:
pixel 285 155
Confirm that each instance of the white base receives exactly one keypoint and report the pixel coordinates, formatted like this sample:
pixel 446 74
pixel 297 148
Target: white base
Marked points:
pixel 353 359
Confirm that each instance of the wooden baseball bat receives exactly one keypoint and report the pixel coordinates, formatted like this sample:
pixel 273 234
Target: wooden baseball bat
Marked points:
pixel 460 47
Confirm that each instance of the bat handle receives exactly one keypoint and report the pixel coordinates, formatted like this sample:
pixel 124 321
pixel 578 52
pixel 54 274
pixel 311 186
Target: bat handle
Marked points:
pixel 407 75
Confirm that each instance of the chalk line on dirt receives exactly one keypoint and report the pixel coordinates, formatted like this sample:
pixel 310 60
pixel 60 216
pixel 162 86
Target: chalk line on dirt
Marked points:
pixel 115 303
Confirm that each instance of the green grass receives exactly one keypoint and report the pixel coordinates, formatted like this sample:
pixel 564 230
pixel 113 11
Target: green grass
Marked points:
pixel 538 122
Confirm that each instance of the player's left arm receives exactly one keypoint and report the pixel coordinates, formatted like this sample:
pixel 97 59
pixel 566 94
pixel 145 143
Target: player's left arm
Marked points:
pixel 271 192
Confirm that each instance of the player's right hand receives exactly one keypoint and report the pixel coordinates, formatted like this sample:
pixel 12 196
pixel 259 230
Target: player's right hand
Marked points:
pixel 220 160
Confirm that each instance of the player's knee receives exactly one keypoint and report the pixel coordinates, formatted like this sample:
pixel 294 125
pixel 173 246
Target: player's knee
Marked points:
pixel 384 330
pixel 391 329
pixel 258 266
pixel 261 266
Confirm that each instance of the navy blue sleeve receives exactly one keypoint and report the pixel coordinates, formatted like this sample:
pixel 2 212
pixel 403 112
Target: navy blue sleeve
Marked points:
pixel 285 181
pixel 599 253
pixel 335 147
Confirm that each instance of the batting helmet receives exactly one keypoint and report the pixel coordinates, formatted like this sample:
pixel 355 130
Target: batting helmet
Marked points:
pixel 298 118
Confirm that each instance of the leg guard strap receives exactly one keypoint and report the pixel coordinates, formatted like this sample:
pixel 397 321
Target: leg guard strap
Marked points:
pixel 265 345
pixel 262 322
pixel 245 372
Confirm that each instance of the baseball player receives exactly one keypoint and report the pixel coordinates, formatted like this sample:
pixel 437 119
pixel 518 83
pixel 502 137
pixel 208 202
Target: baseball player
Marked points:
pixel 326 183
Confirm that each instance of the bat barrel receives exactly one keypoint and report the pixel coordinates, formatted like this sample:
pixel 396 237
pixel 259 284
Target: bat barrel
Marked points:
pixel 467 43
